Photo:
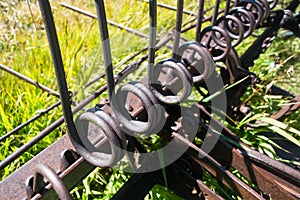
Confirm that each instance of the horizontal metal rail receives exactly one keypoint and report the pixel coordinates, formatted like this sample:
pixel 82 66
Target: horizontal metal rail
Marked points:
pixel 29 80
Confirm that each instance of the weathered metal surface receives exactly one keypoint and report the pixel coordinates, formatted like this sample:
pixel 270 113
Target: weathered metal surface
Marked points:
pixel 14 186
pixel 178 180
pixel 259 174
pixel 44 171
pixel 186 185
pixel 256 167
pixel 218 171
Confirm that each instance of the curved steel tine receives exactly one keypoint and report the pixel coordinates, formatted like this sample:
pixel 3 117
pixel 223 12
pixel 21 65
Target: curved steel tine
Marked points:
pixel 179 14
pixel 199 22
pixel 110 121
pixel 155 113
pixel 234 28
pixel 272 3
pixel 181 74
pixel 266 8
pixel 58 64
pixel 105 45
pixel 211 39
pixel 247 19
pixel 190 52
pixel 227 7
pixel 255 8
pixel 216 12
pixel 98 142
pixel 152 37
pixel 58 185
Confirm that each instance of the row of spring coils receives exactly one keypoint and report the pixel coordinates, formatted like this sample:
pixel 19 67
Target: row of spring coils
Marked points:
pixel 103 141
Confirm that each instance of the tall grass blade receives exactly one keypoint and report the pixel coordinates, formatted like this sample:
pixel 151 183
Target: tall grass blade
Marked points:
pixel 284 134
pixel 279 124
pixel 162 163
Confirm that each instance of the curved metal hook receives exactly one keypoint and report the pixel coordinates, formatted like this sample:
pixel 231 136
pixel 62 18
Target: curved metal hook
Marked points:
pixel 155 112
pixel 58 185
pixel 198 60
pixel 166 92
pixel 255 8
pixel 97 141
pixel 234 28
pixel 217 41
pixel 247 19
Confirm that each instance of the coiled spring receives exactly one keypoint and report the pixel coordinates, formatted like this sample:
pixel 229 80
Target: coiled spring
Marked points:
pixel 169 81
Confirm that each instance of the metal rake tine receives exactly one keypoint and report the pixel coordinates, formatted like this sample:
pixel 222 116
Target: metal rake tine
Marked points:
pixel 216 12
pixel 200 18
pixel 178 27
pixel 105 45
pixel 4 163
pixel 62 84
pixel 227 6
pixel 152 37
pixel 58 64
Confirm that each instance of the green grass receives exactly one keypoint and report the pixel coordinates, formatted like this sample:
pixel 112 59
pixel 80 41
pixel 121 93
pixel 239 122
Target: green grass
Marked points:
pixel 24 48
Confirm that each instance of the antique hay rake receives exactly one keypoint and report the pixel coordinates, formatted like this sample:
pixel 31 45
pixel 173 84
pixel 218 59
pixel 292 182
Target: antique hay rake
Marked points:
pixel 113 132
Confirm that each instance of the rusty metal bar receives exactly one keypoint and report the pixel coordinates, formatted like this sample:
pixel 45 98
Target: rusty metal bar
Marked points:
pixel 14 186
pixel 29 80
pixel 200 20
pixel 152 38
pixel 16 129
pixel 172 8
pixel 259 174
pixel 177 28
pixel 211 165
pixel 110 22
pixel 106 51
pixel 281 170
